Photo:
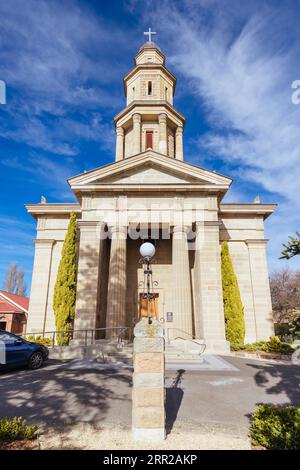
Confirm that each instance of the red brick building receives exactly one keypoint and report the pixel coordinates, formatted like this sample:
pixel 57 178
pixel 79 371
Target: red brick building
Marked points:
pixel 13 312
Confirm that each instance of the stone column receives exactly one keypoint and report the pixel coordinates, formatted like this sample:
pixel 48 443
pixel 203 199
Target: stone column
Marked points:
pixel 39 295
pixel 116 296
pixel 163 145
pixel 136 118
pixel 183 316
pixel 208 296
pixel 88 276
pixel 260 289
pixel 119 143
pixel 148 395
pixel 179 143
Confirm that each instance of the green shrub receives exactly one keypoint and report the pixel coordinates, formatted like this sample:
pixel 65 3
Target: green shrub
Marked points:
pixel 276 428
pixel 40 340
pixel 15 429
pixel 295 328
pixel 233 307
pixel 274 345
pixel 65 285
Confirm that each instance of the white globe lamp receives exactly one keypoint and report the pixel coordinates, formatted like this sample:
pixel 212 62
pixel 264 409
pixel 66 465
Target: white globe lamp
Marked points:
pixel 147 250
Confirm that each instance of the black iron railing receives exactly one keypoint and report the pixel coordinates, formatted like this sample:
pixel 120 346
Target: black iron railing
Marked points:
pixel 84 336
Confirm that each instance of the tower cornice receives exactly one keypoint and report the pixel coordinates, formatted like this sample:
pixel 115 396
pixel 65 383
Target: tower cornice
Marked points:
pixel 135 106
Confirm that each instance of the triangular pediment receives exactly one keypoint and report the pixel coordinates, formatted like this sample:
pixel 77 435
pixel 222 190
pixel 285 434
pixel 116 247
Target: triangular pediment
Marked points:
pixel 148 173
pixel 148 169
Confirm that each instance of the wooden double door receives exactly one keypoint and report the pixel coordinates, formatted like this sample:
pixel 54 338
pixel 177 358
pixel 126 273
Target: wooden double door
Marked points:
pixel 153 307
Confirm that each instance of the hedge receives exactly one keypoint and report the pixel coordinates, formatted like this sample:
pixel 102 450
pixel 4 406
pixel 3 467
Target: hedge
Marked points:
pixel 276 428
pixel 15 429
pixel 233 307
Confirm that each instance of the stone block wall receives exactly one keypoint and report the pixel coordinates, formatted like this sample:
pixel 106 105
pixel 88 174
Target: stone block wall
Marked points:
pixel 148 394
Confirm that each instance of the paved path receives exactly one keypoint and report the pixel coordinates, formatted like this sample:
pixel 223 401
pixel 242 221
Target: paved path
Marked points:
pixel 69 392
pixel 228 397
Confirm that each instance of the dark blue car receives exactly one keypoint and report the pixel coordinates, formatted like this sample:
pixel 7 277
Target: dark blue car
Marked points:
pixel 18 352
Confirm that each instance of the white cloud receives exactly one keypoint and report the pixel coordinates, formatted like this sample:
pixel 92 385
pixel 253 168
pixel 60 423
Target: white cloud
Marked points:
pixel 240 67
pixel 57 59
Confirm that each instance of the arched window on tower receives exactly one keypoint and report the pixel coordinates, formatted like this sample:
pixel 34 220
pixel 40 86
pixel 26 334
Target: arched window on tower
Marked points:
pixel 149 88
pixel 166 94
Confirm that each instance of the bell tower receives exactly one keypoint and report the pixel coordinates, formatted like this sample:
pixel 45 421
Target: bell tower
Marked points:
pixel 149 119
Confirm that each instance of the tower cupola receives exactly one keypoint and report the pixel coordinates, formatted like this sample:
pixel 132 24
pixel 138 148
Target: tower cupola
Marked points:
pixel 149 119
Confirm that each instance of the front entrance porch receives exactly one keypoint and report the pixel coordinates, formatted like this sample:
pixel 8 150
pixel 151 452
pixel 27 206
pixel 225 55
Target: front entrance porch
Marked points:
pixel 111 280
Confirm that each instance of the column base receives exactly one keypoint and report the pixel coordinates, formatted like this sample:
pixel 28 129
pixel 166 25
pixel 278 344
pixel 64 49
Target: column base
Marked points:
pixel 144 434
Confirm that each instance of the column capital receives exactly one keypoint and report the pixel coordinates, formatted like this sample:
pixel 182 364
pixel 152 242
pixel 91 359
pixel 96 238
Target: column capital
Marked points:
pixel 136 117
pixel 118 231
pixel 162 118
pixel 207 223
pixel 44 241
pixel 179 130
pixel 89 224
pixel 262 241
pixel 119 130
pixel 181 228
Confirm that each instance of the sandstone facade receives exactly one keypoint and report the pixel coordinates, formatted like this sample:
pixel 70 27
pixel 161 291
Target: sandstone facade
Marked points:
pixel 150 192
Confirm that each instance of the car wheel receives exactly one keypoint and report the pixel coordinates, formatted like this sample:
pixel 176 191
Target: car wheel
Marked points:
pixel 36 360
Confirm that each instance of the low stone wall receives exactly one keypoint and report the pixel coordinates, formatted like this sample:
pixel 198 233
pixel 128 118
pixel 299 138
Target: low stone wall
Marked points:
pixel 262 355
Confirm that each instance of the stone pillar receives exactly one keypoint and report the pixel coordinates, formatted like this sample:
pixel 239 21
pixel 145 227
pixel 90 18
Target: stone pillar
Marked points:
pixel 163 145
pixel 136 118
pixel 183 316
pixel 260 289
pixel 239 254
pixel 208 296
pixel 88 276
pixel 179 143
pixel 39 295
pixel 119 143
pixel 148 395
pixel 116 295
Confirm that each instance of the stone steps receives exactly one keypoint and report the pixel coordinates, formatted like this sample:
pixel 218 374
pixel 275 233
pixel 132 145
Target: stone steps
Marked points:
pixel 177 352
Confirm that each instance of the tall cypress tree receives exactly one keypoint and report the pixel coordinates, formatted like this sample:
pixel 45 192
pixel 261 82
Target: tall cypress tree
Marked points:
pixel 233 307
pixel 65 286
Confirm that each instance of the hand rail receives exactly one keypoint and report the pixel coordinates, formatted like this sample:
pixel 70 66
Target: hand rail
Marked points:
pixel 193 337
pixel 120 338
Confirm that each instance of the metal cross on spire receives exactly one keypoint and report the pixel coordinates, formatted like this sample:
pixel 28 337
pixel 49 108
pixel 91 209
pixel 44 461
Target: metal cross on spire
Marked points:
pixel 149 33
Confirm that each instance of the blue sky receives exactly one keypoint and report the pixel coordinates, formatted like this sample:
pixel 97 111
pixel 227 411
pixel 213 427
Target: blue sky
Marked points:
pixel 64 62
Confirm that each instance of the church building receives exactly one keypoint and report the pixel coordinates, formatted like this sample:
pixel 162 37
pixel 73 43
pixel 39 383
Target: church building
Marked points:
pixel 151 192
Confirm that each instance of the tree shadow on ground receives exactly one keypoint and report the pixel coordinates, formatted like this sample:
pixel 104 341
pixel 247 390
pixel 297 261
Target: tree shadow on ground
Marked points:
pixel 278 380
pixel 174 396
pixel 57 395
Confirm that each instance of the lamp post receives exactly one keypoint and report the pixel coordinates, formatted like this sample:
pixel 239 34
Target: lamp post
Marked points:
pixel 147 251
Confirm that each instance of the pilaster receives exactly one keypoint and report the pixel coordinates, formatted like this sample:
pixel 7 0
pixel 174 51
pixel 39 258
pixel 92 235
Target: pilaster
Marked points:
pixel 209 313
pixel 183 316
pixel 39 296
pixel 260 289
pixel 88 279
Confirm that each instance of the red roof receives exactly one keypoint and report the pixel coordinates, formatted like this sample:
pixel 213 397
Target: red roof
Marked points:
pixel 18 304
